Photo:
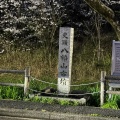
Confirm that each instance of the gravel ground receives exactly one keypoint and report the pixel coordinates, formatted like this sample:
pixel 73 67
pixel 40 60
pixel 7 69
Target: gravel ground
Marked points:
pixel 36 106
pixel 58 108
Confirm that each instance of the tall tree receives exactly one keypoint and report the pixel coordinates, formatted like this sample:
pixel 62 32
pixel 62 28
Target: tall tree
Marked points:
pixel 83 17
pixel 100 7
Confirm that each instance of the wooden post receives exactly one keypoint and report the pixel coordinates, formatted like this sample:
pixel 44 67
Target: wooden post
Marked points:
pixel 26 82
pixel 110 89
pixel 103 90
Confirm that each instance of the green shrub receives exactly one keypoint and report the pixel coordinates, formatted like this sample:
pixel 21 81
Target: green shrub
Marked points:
pixel 112 103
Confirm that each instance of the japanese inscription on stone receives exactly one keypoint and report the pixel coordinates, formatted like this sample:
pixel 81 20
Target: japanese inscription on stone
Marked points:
pixel 65 59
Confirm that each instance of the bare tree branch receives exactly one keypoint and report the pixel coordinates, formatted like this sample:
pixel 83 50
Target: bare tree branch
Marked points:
pixel 106 12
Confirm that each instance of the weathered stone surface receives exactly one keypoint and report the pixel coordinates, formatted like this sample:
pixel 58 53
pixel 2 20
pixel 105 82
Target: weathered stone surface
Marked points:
pixel 65 59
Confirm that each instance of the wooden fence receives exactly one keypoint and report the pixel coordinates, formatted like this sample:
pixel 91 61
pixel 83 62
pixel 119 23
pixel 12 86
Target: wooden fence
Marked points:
pixel 26 74
pixel 113 82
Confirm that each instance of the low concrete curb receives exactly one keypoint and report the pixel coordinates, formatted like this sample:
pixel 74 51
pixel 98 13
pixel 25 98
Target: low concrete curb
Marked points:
pixel 45 115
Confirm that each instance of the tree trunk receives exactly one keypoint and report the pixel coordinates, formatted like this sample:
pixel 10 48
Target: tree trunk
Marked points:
pixel 106 12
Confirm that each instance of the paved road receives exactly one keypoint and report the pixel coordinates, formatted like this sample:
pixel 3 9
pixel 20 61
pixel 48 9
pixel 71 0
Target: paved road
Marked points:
pixel 21 110
pixel 22 114
pixel 16 118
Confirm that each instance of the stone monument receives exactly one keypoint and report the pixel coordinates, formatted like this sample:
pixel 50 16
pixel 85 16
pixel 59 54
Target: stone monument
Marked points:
pixel 65 59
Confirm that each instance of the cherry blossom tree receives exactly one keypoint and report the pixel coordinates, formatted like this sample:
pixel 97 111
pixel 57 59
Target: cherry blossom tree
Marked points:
pixel 24 22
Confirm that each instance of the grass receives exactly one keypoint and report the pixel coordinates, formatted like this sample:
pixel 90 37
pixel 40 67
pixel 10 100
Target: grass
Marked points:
pixel 113 103
pixel 53 101
pixel 43 63
pixel 8 92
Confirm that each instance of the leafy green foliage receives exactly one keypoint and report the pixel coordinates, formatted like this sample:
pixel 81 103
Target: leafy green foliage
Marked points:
pixel 11 93
pixel 53 101
pixel 112 103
